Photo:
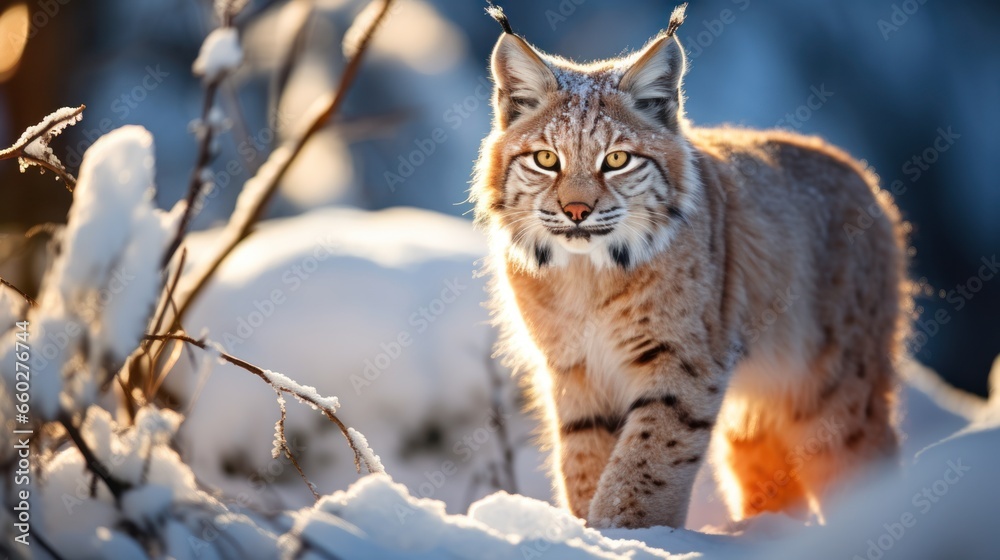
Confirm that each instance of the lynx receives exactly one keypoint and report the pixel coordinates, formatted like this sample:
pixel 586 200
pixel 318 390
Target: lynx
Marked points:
pixel 667 287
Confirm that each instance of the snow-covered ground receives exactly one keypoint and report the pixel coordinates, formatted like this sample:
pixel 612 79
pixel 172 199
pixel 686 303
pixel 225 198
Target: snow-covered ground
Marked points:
pixel 364 314
pixel 377 316
pixel 383 310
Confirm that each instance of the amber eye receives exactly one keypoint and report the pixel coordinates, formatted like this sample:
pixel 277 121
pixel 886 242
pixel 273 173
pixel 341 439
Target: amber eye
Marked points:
pixel 547 160
pixel 615 160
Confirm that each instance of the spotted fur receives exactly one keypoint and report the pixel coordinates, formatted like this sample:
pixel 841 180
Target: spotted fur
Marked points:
pixel 713 292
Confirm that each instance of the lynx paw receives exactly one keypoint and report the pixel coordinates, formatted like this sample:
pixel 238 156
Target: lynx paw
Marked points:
pixel 609 510
pixel 629 506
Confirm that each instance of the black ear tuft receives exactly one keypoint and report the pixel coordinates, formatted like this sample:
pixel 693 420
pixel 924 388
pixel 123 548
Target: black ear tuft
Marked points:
pixel 496 12
pixel 654 77
pixel 676 19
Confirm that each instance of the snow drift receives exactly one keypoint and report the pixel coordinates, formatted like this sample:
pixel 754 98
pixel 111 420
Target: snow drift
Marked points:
pixel 347 308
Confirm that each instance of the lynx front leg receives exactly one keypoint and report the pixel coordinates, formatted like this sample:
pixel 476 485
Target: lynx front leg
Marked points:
pixel 584 449
pixel 666 434
pixel 585 440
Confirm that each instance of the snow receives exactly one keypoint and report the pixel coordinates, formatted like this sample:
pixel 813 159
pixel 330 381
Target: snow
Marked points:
pixel 217 118
pixel 164 497
pixel 112 201
pixel 147 505
pixel 46 379
pixel 98 294
pixel 304 393
pixel 372 461
pixel 349 282
pixel 377 517
pixel 220 54
pixel 100 290
pixel 946 506
pixel 158 425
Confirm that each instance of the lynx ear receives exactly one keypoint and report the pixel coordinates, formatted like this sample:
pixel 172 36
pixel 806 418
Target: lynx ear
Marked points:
pixel 654 79
pixel 522 78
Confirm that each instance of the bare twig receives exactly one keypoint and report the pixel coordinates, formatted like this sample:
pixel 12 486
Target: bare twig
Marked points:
pixel 240 134
pixel 226 10
pixel 165 366
pixel 128 397
pixel 48 228
pixel 67 179
pixel 148 378
pixel 295 146
pixel 303 10
pixel 260 372
pixel 31 301
pixel 195 184
pixel 171 287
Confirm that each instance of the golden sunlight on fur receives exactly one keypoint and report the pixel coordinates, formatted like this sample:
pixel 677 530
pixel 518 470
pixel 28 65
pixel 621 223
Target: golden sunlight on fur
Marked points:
pixel 663 286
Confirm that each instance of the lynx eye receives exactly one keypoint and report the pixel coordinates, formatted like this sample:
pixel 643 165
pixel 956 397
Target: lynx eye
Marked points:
pixel 615 160
pixel 547 159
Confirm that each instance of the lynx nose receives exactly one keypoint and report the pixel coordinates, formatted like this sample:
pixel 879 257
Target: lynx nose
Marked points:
pixel 577 211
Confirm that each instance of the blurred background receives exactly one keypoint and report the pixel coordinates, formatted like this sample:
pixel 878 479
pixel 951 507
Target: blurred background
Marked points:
pixel 909 86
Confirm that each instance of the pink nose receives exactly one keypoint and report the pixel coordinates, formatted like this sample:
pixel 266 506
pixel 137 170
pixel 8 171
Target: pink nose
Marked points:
pixel 577 211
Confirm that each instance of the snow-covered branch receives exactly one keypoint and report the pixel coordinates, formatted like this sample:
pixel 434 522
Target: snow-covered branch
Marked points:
pixel 94 464
pixel 32 148
pixel 303 393
pixel 112 279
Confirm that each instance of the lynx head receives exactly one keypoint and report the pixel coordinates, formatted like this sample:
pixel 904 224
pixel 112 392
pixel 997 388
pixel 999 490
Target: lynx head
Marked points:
pixel 589 160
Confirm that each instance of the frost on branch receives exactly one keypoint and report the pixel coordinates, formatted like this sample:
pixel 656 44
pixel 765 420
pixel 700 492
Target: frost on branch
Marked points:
pixel 32 148
pixel 304 393
pixel 220 53
pixel 372 461
pixel 280 444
